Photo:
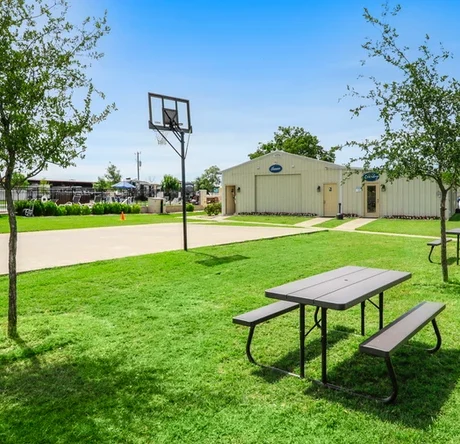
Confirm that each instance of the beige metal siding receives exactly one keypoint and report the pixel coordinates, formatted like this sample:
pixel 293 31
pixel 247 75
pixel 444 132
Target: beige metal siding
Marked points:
pixel 313 173
pixel 410 198
pixel 402 197
pixel 353 195
pixel 279 194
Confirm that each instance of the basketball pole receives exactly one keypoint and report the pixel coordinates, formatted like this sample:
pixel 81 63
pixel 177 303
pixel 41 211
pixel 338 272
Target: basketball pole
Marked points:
pixel 184 207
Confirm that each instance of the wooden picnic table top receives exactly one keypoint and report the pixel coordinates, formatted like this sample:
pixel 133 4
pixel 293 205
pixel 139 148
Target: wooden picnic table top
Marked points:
pixel 339 289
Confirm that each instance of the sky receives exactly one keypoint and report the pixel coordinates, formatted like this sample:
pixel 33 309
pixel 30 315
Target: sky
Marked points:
pixel 247 67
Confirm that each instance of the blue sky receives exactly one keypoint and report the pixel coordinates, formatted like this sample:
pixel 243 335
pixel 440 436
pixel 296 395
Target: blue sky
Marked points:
pixel 247 67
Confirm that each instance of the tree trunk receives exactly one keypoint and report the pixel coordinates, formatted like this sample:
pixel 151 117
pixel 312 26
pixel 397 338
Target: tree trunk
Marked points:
pixel 13 244
pixel 445 271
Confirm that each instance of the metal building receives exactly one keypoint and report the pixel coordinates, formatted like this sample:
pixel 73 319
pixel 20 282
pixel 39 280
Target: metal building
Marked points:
pixel 280 182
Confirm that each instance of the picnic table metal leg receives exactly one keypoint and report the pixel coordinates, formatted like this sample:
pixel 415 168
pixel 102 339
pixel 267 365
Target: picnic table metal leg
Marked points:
pixel 394 383
pixel 302 339
pixel 381 310
pixel 363 315
pixel 438 338
pixel 324 345
pixel 431 251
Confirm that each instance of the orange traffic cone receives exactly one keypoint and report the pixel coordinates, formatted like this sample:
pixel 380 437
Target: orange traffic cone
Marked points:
pixel 122 216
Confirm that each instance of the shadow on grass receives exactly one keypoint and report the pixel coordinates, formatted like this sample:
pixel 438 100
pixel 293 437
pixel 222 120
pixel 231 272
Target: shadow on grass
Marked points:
pixel 212 261
pixel 290 361
pixel 83 400
pixel 450 261
pixel 88 399
pixel 425 384
pixel 26 352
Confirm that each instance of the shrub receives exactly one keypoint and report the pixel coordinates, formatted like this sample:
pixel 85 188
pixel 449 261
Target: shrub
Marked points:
pixel 98 208
pixel 75 209
pixel 115 208
pixel 85 210
pixel 190 207
pixel 125 208
pixel 61 211
pixel 20 205
pixel 135 209
pixel 213 209
pixel 38 207
pixel 49 209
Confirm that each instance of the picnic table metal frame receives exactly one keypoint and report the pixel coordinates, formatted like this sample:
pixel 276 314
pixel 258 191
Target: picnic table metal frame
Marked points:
pixel 456 232
pixel 338 289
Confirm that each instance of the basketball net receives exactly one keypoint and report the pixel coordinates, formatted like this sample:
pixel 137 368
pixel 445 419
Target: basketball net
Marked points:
pixel 161 138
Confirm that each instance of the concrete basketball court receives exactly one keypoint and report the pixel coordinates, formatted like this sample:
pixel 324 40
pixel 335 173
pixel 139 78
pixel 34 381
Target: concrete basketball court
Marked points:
pixel 47 249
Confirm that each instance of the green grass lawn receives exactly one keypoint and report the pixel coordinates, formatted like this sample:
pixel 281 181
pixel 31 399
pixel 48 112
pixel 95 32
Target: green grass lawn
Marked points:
pixel 143 349
pixel 71 222
pixel 269 219
pixel 333 223
pixel 420 227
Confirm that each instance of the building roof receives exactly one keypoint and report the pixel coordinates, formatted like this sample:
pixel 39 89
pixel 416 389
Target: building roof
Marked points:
pixel 294 156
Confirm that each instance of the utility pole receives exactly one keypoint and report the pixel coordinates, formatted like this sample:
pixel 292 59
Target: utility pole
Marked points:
pixel 138 164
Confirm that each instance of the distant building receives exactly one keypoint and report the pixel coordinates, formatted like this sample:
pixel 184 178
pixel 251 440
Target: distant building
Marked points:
pixel 280 182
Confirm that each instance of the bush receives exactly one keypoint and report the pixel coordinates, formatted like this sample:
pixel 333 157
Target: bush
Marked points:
pixel 61 211
pixel 125 208
pixel 73 210
pixel 20 205
pixel 98 208
pixel 38 207
pixel 190 207
pixel 135 209
pixel 49 209
pixel 213 209
pixel 85 210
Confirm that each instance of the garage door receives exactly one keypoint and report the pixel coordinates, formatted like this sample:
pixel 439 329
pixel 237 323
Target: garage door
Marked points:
pixel 279 194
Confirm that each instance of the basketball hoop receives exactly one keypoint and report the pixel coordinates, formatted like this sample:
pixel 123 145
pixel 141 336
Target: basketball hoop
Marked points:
pixel 162 139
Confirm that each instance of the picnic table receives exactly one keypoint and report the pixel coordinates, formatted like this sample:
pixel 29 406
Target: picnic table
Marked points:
pixel 455 231
pixel 338 289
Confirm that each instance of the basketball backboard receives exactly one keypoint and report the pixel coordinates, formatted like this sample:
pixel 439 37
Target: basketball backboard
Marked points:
pixel 169 113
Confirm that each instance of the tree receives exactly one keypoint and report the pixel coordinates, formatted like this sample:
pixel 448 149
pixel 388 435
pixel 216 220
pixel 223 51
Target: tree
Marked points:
pixel 420 115
pixel 19 182
pixel 44 186
pixel 294 140
pixel 170 184
pixel 102 184
pixel 45 99
pixel 113 174
pixel 209 180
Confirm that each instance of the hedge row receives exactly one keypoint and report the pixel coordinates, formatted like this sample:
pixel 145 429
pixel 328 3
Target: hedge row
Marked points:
pixel 277 214
pixel 51 209
pixel 412 217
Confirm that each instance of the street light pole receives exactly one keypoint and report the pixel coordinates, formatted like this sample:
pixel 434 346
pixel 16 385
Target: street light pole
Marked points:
pixel 138 164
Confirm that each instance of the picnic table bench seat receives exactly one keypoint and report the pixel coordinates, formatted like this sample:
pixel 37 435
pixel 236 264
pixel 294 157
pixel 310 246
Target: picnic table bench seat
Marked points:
pixel 398 332
pixel 435 243
pixel 255 317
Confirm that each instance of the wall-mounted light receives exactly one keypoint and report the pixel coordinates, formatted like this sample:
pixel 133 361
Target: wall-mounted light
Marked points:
pixel 318 188
pixel 383 187
pixel 238 189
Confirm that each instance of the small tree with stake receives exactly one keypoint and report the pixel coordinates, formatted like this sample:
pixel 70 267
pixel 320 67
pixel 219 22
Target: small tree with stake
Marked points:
pixel 420 114
pixel 43 64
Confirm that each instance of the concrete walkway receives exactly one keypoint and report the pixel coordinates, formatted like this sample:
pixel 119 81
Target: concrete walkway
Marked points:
pixel 314 221
pixel 47 249
pixel 352 225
